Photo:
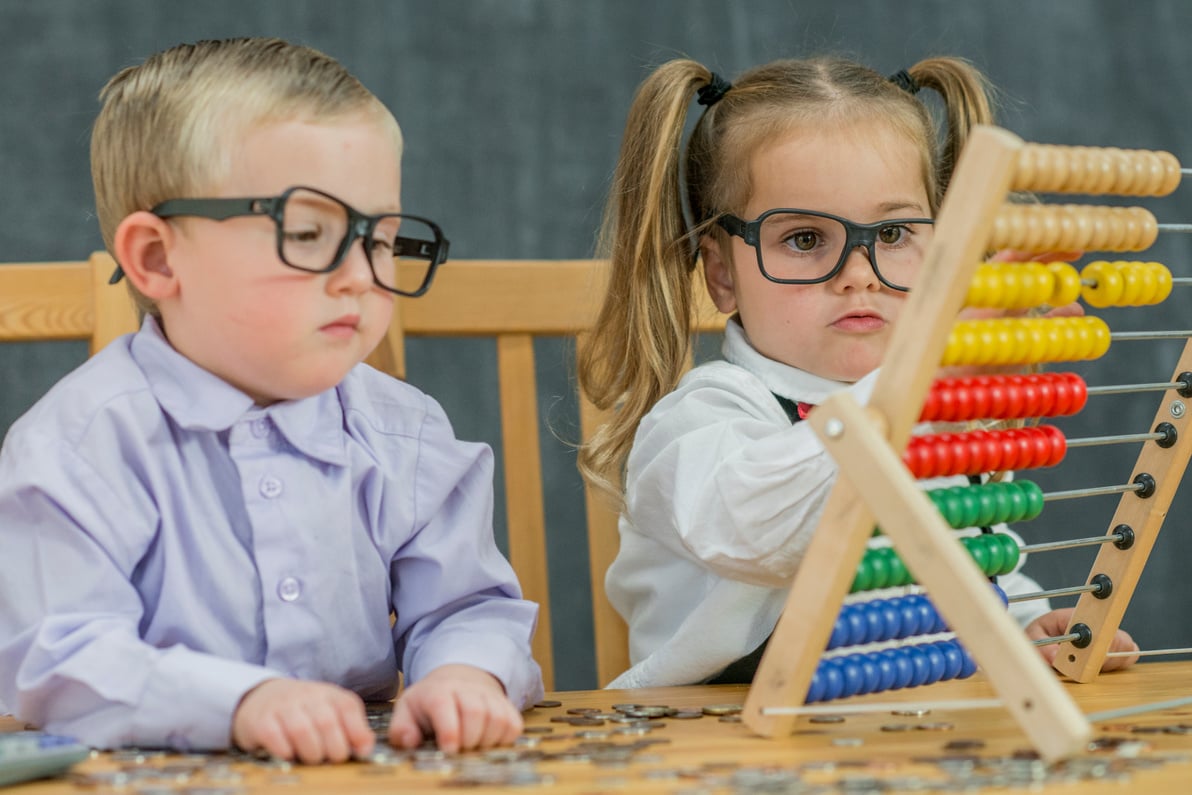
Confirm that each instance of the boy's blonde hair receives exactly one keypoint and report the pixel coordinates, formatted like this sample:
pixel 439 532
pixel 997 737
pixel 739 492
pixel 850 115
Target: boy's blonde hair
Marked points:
pixel 664 199
pixel 168 127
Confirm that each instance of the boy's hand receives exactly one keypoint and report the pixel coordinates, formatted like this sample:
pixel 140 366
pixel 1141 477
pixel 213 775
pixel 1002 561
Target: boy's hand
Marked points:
pixel 1055 623
pixel 312 722
pixel 462 706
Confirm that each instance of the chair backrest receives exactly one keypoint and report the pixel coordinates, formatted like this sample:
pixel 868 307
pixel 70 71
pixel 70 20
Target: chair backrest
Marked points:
pixel 64 301
pixel 511 301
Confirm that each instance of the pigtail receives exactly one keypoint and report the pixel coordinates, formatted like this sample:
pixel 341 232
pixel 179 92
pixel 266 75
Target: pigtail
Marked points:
pixel 641 342
pixel 967 98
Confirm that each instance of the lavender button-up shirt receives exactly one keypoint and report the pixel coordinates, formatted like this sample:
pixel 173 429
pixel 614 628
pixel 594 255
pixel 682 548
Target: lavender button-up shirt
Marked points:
pixel 165 546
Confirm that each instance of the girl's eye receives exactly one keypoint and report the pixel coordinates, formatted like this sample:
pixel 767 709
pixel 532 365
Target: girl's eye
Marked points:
pixel 805 240
pixel 891 234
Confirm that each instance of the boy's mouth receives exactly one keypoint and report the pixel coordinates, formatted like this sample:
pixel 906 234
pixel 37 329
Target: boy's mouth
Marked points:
pixel 342 326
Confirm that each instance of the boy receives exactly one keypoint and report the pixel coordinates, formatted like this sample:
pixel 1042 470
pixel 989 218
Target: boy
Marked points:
pixel 207 526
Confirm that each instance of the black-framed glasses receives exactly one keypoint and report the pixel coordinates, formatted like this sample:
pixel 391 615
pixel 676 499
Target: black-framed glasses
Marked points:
pixel 807 247
pixel 315 231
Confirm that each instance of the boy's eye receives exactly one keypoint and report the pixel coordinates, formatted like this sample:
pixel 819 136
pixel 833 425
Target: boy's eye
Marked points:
pixel 382 245
pixel 309 234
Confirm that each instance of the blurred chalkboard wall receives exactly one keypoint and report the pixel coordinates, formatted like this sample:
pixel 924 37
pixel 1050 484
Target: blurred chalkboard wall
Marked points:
pixel 512 111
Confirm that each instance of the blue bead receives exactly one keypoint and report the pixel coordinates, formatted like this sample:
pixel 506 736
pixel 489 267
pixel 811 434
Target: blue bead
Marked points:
pixel 857 626
pixel 911 621
pixel 921 666
pixel 891 620
pixel 886 672
pixel 871 675
pixel 904 670
pixel 953 658
pixel 929 619
pixel 833 680
pixel 997 589
pixel 815 691
pixel 970 665
pixel 875 624
pixel 935 658
pixel 839 632
pixel 854 677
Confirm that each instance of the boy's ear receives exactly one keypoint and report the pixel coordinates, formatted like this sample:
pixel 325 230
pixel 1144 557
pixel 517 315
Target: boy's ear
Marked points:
pixel 718 275
pixel 141 243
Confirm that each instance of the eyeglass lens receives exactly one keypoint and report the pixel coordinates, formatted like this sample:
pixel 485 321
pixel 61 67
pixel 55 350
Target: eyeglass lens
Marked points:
pixel 315 228
pixel 798 246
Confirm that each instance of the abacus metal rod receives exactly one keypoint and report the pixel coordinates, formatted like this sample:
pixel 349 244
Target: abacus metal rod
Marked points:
pixel 1118 389
pixel 1073 591
pixel 1130 336
pixel 1122 438
pixel 1174 227
pixel 1073 543
pixel 1057 639
pixel 1148 653
pixel 1093 491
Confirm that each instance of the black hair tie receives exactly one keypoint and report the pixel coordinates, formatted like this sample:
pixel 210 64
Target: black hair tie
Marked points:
pixel 902 78
pixel 714 91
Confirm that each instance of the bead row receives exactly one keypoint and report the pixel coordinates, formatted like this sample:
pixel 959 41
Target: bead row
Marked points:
pixel 1073 227
pixel 1048 168
pixel 881 567
pixel 889 669
pixel 988 503
pixel 1026 340
pixel 889 619
pixel 1125 283
pixel 973 452
pixel 1004 397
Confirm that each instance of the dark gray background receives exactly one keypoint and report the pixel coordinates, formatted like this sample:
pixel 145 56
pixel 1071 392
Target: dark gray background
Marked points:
pixel 512 112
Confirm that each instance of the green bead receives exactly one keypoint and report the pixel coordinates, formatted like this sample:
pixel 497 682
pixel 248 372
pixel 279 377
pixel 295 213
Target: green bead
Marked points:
pixel 864 577
pixel 994 548
pixel 1033 496
pixel 979 552
pixel 1016 504
pixel 970 508
pixel 987 510
pixel 879 565
pixel 899 573
pixel 1010 552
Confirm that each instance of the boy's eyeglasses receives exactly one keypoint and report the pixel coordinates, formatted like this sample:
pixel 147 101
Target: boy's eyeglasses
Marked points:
pixel 315 231
pixel 808 247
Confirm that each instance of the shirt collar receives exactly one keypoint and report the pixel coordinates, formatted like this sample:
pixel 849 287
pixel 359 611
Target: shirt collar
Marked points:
pixel 781 379
pixel 199 400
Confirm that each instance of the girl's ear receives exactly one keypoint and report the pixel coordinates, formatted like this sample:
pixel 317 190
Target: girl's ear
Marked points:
pixel 140 245
pixel 718 275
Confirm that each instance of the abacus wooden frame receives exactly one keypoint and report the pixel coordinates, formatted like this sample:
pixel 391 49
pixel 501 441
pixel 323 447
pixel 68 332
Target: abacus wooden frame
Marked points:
pixel 866 445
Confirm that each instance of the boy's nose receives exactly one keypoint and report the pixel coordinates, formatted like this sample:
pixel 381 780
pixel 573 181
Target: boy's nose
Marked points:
pixel 354 275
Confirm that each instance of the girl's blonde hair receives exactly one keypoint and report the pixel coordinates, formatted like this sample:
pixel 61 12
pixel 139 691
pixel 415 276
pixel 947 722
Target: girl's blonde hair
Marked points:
pixel 641 344
pixel 169 127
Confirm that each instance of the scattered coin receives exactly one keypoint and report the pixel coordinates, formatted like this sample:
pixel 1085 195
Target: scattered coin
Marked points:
pixel 826 719
pixel 896 727
pixel 911 713
pixel 548 704
pixel 721 709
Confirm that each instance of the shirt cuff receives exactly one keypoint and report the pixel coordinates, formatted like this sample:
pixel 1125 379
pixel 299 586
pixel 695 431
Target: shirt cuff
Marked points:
pixel 500 656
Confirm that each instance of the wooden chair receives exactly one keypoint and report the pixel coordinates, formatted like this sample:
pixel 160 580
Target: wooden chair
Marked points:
pixel 512 301
pixel 64 301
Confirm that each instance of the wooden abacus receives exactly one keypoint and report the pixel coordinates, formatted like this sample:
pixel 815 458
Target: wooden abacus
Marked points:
pixel 878 467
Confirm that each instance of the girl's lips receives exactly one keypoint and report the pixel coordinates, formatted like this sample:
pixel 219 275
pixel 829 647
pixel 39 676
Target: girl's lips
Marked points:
pixel 860 321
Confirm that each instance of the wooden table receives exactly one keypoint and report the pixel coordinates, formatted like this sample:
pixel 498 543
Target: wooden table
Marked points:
pixel 691 754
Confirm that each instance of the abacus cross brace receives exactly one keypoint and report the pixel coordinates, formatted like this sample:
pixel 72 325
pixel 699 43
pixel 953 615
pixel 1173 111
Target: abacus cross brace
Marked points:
pixel 870 444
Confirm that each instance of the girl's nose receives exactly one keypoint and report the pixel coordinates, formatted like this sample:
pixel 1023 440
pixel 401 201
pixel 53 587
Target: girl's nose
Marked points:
pixel 858 272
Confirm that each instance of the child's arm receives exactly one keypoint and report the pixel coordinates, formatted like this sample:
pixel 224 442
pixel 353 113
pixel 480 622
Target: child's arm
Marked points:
pixel 460 706
pixel 310 721
pixel 457 602
pixel 71 655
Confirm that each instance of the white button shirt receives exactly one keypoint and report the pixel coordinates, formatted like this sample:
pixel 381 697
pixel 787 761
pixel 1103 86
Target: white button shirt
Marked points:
pixel 722 495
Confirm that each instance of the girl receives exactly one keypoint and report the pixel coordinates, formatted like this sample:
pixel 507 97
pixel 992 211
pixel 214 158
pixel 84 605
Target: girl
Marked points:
pixel 831 171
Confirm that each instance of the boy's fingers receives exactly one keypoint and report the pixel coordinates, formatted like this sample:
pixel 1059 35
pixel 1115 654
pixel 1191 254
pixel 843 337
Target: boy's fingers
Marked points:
pixel 303 735
pixel 271 737
pixel 404 731
pixel 445 720
pixel 331 735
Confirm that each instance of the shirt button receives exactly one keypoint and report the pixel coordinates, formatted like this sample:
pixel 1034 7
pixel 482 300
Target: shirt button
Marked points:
pixel 260 427
pixel 289 589
pixel 270 487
